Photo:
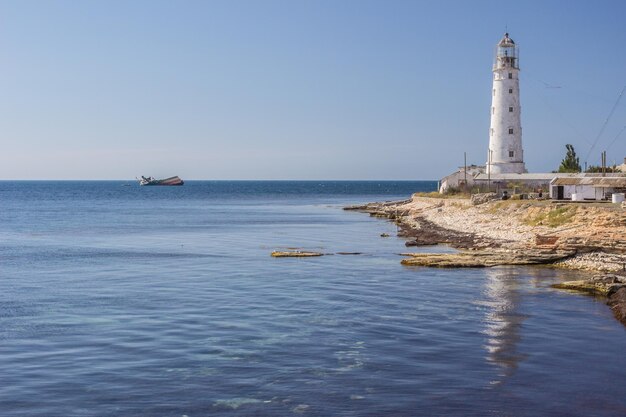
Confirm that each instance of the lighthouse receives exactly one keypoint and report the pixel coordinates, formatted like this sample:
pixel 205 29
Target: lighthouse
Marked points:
pixel 505 154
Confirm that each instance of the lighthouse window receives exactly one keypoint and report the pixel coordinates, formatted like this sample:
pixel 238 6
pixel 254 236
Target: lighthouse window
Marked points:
pixel 510 109
pixel 510 130
pixel 493 110
pixel 510 75
pixel 494 91
pixel 511 153
pixel 510 91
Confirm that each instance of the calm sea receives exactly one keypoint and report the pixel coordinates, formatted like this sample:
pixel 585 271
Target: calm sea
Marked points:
pixel 164 301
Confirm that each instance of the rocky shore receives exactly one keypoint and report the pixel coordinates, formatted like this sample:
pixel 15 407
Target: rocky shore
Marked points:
pixel 489 232
pixel 582 236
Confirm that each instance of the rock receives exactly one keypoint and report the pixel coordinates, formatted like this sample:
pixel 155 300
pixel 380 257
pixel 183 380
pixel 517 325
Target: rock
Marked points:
pixel 381 209
pixel 295 254
pixel 482 198
pixel 545 240
pixel 485 258
pixel 419 242
pixel 384 235
pixel 617 302
pixel 428 234
pixel 597 285
pixel 349 253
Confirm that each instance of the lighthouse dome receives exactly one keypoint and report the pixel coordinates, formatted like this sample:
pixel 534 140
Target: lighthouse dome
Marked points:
pixel 506 41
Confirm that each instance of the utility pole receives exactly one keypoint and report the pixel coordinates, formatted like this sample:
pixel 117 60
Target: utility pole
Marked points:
pixel 465 169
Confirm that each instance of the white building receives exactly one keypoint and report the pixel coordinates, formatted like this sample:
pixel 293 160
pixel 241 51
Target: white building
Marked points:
pixel 581 187
pixel 505 153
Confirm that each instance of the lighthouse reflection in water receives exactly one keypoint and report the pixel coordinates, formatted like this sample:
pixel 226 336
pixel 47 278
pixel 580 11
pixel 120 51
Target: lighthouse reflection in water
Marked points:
pixel 503 320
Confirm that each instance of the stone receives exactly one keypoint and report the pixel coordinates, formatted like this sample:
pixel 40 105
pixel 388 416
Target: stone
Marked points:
pixel 419 242
pixel 482 198
pixel 543 240
pixel 295 254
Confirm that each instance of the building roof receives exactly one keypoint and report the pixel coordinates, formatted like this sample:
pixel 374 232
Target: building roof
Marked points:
pixel 547 176
pixel 516 177
pixel 596 182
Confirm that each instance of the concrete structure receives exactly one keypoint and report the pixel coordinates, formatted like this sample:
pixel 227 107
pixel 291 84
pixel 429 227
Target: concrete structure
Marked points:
pixel 516 183
pixel 586 185
pixel 505 153
pixel 462 179
pixel 580 188
pixel 479 181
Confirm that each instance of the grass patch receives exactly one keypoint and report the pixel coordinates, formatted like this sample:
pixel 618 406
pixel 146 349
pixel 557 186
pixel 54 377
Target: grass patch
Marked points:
pixel 554 218
pixel 502 204
pixel 436 194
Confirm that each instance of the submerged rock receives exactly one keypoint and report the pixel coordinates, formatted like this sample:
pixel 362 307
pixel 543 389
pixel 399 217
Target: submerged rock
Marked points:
pixel 294 254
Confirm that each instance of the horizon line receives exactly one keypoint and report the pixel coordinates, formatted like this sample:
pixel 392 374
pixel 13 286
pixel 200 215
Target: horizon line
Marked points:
pixel 204 179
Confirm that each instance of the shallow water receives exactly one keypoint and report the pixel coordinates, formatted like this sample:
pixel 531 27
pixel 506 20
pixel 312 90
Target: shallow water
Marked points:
pixel 163 301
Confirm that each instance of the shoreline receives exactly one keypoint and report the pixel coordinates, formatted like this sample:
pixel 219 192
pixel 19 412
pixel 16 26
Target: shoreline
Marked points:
pixel 591 238
pixel 489 232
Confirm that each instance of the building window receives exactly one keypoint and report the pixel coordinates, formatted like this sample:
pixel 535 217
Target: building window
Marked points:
pixel 510 75
pixel 511 154
pixel 510 91
pixel 510 130
pixel 510 109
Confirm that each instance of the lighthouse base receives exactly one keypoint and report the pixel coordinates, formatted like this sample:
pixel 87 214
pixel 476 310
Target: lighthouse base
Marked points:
pixel 506 168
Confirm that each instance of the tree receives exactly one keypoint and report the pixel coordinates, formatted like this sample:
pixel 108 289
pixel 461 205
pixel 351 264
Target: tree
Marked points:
pixel 570 163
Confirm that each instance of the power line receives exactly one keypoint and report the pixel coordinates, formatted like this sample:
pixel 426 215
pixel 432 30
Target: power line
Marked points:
pixel 605 123
pixel 615 138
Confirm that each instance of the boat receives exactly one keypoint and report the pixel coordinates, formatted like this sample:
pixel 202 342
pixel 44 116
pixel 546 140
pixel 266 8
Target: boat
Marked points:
pixel 167 181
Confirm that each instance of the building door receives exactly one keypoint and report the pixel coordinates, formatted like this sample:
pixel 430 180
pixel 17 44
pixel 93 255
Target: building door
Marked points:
pixel 559 192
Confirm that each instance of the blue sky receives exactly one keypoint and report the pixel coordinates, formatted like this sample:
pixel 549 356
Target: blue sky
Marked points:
pixel 298 89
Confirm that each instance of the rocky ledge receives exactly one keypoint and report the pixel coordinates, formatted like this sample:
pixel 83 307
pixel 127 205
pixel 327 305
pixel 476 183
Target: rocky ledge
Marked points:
pixel 611 286
pixel 484 258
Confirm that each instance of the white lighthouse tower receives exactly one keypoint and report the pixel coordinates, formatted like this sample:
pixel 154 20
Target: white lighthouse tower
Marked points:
pixel 505 134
